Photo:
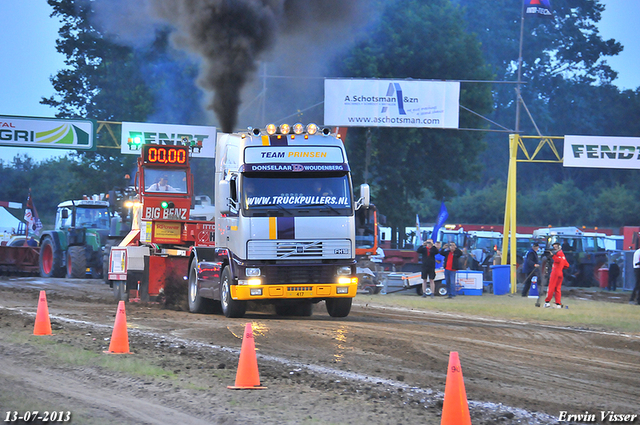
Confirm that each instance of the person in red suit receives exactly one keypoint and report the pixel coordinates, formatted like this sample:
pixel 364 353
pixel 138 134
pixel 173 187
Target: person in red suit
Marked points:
pixel 555 280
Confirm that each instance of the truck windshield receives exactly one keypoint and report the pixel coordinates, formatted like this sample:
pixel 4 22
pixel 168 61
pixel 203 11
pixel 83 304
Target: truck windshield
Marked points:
pixel 163 180
pixel 326 194
pixel 97 218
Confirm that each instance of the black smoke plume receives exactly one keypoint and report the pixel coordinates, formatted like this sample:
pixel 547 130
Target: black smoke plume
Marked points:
pixel 231 36
pixel 297 38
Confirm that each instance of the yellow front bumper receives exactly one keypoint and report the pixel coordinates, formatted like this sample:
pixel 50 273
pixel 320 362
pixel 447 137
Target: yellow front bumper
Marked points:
pixel 293 291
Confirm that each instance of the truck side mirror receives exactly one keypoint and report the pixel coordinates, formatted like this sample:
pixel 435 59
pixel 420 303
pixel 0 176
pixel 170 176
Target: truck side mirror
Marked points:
pixel 365 197
pixel 224 193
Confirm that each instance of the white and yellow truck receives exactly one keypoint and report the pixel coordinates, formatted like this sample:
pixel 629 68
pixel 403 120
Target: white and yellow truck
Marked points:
pixel 284 224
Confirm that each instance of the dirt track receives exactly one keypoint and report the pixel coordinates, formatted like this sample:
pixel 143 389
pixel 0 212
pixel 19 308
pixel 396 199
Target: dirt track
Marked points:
pixel 379 365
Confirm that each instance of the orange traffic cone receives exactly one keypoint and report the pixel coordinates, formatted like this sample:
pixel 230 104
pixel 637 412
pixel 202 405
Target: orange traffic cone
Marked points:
pixel 247 377
pixel 119 338
pixel 43 324
pixel 455 410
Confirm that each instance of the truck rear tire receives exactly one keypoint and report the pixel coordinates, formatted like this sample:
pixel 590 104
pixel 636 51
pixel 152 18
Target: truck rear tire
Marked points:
pixel 230 308
pixel 303 309
pixel 50 259
pixel 76 262
pixel 120 292
pixel 105 262
pixel 339 307
pixel 197 304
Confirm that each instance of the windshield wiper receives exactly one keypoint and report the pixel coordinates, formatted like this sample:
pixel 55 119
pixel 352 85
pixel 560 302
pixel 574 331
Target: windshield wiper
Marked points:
pixel 319 205
pixel 276 205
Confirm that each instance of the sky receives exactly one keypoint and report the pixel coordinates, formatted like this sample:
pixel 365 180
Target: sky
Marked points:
pixel 27 46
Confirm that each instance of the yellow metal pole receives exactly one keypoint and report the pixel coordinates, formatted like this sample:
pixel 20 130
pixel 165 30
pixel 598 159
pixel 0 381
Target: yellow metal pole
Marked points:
pixel 509 232
pixel 513 149
pixel 507 220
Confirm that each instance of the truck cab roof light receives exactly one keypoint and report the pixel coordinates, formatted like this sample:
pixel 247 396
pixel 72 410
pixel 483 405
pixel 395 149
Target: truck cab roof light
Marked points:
pixel 298 128
pixel 271 129
pixel 312 129
pixel 284 128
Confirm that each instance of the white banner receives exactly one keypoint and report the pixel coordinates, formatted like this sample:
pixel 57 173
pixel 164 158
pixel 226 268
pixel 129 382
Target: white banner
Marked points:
pixel 391 103
pixel 602 152
pixel 167 134
pixel 52 133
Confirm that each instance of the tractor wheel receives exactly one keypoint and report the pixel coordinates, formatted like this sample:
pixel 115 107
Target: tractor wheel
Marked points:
pixel 76 262
pixel 339 307
pixel 230 307
pixel 50 259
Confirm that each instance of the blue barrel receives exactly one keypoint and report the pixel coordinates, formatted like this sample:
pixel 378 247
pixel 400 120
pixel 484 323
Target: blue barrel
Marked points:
pixel 501 279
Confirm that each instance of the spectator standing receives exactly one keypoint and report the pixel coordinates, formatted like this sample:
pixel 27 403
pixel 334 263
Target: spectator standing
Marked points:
pixel 451 255
pixel 530 267
pixel 555 280
pixel 636 272
pixel 428 252
pixel 614 272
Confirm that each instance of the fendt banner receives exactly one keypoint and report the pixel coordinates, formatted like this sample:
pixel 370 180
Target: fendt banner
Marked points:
pixel 391 103
pixel 51 133
pixel 602 152
pixel 135 134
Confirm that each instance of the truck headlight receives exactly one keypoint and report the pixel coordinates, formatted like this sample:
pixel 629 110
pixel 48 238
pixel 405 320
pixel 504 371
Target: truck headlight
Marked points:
pixel 343 271
pixel 255 291
pixel 254 281
pixel 252 271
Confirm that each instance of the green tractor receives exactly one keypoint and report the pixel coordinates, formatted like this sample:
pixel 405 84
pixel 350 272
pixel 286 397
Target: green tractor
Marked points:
pixel 75 247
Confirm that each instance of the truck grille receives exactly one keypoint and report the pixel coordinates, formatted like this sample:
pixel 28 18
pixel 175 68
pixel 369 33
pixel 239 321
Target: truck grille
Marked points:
pixel 296 250
pixel 299 249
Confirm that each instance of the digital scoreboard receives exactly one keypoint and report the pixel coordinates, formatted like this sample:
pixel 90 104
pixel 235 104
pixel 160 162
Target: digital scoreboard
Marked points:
pixel 165 155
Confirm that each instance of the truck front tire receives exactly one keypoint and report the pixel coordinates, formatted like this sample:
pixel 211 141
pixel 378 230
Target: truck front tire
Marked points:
pixel 339 307
pixel 197 304
pixel 230 308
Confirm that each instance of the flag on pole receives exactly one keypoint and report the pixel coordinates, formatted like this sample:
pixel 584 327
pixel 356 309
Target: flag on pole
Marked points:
pixel 31 217
pixel 540 8
pixel 442 218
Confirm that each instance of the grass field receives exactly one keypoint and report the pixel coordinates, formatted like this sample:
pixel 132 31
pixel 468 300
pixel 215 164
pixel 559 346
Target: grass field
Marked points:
pixel 596 315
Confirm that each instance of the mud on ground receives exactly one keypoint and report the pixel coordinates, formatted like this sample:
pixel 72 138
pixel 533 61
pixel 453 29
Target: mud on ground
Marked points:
pixel 380 365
